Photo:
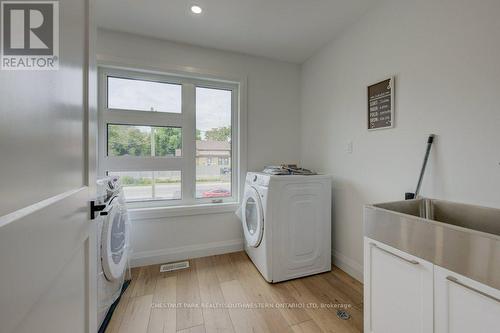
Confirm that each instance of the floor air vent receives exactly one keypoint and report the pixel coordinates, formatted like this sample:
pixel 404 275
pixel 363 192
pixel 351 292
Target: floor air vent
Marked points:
pixel 174 266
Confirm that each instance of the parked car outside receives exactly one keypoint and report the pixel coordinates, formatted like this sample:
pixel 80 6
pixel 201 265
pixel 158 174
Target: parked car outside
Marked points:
pixel 217 193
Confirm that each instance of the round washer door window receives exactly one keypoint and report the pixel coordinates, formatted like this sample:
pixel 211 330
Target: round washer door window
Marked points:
pixel 113 243
pixel 253 218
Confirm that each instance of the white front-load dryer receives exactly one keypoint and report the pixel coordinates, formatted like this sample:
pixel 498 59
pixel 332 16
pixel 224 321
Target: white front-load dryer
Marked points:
pixel 287 224
pixel 112 248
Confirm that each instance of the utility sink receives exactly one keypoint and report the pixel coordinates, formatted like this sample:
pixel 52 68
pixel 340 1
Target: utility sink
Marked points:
pixel 471 217
pixel 460 237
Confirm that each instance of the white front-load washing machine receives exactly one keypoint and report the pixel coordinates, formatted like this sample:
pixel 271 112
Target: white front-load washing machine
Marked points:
pixel 287 224
pixel 112 245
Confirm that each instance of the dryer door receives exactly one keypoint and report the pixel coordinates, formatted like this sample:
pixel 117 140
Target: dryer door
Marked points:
pixel 113 242
pixel 252 217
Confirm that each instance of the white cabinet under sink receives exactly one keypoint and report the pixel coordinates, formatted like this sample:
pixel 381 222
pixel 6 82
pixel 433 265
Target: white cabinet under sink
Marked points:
pixel 404 293
pixel 464 305
pixel 398 291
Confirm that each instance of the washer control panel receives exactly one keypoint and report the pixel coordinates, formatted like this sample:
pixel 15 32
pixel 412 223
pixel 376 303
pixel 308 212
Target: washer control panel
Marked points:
pixel 256 178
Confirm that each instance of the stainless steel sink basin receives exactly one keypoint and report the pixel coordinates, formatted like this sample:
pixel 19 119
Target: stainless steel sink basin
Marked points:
pixel 459 237
pixel 472 217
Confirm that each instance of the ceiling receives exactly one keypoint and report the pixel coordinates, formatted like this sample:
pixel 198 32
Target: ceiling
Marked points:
pixel 290 30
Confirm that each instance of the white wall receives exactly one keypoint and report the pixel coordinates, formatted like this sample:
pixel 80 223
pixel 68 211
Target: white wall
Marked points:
pixel 272 135
pixel 446 58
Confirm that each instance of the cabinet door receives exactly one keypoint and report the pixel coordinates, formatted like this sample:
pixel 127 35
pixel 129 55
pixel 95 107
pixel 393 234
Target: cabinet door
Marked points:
pixel 398 291
pixel 464 305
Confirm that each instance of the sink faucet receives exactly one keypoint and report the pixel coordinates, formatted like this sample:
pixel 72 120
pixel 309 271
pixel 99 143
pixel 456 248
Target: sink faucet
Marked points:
pixel 409 195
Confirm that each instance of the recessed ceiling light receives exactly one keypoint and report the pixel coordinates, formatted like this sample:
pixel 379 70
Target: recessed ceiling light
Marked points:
pixel 196 9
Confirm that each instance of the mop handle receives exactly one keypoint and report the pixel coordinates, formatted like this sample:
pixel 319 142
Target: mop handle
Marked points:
pixel 430 140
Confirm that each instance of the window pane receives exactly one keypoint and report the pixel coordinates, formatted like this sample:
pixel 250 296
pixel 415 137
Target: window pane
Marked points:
pixel 140 95
pixel 130 140
pixel 150 185
pixel 168 185
pixel 213 143
pixel 136 185
pixel 168 141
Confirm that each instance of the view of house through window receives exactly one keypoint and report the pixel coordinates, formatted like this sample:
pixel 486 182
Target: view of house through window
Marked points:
pixel 213 142
pixel 150 142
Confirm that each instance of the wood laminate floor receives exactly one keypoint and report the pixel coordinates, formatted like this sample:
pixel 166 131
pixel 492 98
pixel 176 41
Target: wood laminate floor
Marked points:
pixel 226 293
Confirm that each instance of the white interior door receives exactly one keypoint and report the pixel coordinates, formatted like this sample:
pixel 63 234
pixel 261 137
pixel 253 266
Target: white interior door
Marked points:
pixel 47 242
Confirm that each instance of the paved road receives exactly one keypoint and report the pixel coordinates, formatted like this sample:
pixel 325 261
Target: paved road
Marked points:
pixel 169 191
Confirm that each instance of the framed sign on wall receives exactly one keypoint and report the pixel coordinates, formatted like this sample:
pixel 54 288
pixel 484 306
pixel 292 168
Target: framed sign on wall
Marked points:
pixel 381 104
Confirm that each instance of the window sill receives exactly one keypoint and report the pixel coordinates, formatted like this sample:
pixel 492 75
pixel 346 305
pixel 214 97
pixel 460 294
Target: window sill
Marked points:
pixel 166 212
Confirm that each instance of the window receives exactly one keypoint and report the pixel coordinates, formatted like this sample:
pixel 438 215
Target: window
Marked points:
pixel 213 123
pixel 172 140
pixel 131 140
pixel 143 95
pixel 223 161
pixel 151 185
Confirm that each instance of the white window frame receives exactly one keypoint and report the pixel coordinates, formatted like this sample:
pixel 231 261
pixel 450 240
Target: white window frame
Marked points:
pixel 186 120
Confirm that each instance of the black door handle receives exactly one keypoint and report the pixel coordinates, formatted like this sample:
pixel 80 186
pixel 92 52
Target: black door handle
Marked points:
pixel 95 208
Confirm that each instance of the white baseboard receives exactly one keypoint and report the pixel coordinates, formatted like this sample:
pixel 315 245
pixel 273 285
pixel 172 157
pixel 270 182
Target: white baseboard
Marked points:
pixel 161 256
pixel 348 265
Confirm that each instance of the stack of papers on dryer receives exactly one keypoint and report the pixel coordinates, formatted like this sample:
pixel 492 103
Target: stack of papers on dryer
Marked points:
pixel 275 170
pixel 287 169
